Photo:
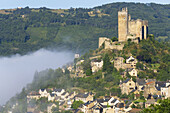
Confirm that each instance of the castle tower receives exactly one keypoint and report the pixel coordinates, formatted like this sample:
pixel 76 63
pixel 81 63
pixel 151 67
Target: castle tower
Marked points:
pixel 122 24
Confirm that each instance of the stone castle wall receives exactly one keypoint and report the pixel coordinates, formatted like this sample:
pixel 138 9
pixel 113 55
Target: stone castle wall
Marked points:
pixel 108 44
pixel 128 28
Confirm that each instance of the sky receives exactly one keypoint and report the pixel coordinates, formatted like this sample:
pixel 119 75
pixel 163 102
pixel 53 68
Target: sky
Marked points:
pixel 55 4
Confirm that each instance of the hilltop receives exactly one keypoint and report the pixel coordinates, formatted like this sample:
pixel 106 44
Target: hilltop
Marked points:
pixel 27 29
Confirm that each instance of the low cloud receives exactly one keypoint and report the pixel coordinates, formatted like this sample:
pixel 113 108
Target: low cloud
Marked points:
pixel 17 71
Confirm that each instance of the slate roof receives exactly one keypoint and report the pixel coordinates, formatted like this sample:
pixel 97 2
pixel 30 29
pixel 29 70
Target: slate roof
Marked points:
pixel 126 80
pixel 77 110
pixel 52 95
pixel 120 105
pixel 133 90
pixel 113 101
pixel 100 100
pixel 149 80
pixel 87 103
pixel 129 69
pixel 62 103
pixel 160 84
pixel 96 60
pixel 82 95
pixel 64 93
pixel 141 81
pixel 42 90
pixel 127 105
pixel 71 93
pixel 57 90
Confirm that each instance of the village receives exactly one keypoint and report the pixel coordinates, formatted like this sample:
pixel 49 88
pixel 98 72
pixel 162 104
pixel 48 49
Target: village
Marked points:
pixel 149 90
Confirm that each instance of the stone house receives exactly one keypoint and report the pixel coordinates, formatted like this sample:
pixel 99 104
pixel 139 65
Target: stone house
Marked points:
pixel 51 97
pixel 71 95
pixel 50 107
pixel 113 101
pixel 58 92
pixel 119 63
pixel 165 90
pixel 70 68
pixel 96 65
pixel 133 72
pixel 150 89
pixel 79 69
pixel 128 106
pixel 86 108
pixel 119 108
pixel 131 61
pixel 85 97
pixel 98 108
pixel 33 95
pixel 44 93
pixel 65 95
pixel 127 86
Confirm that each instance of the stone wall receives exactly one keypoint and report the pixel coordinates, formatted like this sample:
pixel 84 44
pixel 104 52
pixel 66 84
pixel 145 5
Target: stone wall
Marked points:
pixel 128 28
pixel 108 44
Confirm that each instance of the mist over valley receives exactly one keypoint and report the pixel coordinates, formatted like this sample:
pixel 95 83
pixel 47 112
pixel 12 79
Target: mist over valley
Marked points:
pixel 17 71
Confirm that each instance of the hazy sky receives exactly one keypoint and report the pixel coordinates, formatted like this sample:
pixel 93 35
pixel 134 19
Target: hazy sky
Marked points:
pixel 5 4
pixel 17 71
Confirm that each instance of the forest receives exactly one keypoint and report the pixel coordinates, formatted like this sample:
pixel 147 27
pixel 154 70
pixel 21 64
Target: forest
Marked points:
pixel 77 29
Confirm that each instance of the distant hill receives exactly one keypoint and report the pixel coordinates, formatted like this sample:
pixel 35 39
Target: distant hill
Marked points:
pixel 29 29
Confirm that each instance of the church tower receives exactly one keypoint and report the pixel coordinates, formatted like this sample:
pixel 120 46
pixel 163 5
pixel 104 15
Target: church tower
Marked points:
pixel 122 24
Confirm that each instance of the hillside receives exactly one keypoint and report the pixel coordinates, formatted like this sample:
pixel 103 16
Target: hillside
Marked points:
pixel 26 29
pixel 153 63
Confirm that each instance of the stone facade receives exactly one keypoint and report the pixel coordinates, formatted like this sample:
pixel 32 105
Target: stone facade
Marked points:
pixel 131 29
pixel 108 44
pixel 119 63
pixel 133 72
pixel 96 65
pixel 131 62
pixel 127 86
pixel 150 89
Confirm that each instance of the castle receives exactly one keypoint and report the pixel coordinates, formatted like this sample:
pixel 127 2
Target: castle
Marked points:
pixel 127 29
pixel 131 29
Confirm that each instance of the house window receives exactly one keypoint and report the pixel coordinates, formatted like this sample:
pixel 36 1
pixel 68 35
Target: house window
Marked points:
pixel 129 84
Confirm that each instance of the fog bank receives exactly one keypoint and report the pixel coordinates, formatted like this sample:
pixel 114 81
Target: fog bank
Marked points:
pixel 17 71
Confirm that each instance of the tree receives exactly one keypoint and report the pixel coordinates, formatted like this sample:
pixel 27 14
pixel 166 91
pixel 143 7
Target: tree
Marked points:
pixel 114 39
pixel 87 67
pixel 107 66
pixel 139 66
pixel 76 104
pixel 162 107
